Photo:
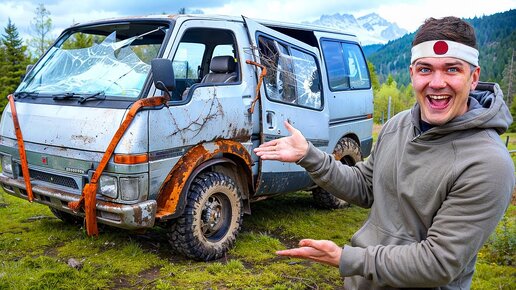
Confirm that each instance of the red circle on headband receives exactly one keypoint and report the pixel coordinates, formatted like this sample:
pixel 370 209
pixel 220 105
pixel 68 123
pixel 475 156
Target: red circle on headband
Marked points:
pixel 440 47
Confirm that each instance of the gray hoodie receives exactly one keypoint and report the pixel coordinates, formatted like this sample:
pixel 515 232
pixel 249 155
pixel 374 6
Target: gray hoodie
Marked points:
pixel 435 197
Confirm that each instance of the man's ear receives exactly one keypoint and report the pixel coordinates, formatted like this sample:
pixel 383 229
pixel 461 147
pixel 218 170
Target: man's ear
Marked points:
pixel 475 77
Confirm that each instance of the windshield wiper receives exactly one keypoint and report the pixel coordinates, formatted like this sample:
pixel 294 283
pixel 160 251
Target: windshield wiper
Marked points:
pixel 95 96
pixel 21 95
pixel 66 96
pixel 82 97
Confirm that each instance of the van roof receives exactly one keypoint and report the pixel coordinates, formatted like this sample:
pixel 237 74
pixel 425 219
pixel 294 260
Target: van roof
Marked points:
pixel 269 23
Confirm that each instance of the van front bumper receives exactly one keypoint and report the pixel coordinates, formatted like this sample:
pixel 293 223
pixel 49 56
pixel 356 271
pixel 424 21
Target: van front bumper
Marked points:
pixel 127 216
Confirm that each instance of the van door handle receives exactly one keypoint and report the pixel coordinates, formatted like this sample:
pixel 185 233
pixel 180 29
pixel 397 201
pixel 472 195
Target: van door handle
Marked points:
pixel 269 116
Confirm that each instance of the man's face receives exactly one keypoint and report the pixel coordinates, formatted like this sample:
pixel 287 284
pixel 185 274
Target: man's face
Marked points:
pixel 442 87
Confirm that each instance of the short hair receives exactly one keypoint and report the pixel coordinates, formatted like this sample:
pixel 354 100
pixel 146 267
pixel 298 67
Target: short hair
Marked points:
pixel 446 28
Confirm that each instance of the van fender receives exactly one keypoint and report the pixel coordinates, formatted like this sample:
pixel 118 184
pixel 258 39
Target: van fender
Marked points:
pixel 193 162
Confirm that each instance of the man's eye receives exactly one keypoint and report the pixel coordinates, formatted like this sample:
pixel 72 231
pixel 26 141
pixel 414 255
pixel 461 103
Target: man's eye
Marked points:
pixel 453 69
pixel 424 70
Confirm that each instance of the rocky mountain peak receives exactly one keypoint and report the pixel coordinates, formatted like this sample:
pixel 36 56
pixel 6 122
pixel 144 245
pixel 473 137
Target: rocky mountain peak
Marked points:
pixel 370 28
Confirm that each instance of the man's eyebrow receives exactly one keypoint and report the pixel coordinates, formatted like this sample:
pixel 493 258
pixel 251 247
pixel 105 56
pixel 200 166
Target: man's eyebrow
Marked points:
pixel 422 63
pixel 450 63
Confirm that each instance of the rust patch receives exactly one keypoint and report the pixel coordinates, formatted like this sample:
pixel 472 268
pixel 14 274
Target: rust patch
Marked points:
pixel 137 215
pixel 241 134
pixel 173 186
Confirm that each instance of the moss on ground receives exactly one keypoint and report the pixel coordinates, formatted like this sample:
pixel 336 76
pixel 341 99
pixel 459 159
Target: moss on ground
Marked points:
pixel 36 250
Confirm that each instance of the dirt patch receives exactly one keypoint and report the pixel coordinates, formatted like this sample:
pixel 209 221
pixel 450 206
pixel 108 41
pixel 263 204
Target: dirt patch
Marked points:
pixel 122 282
pixel 289 242
pixel 156 241
pixel 52 251
pixel 148 277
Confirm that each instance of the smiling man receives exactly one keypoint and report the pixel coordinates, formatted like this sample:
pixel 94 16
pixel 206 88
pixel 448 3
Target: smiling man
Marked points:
pixel 438 180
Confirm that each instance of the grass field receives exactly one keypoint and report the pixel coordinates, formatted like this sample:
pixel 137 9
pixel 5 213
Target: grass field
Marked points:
pixel 39 251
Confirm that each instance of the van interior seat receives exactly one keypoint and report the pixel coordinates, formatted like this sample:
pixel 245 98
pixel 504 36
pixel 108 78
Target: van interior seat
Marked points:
pixel 222 70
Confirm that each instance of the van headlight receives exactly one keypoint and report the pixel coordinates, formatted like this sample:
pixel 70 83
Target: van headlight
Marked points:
pixel 129 188
pixel 7 164
pixel 108 186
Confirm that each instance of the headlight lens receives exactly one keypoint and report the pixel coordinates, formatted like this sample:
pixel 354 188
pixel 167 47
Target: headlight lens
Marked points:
pixel 129 188
pixel 7 165
pixel 108 186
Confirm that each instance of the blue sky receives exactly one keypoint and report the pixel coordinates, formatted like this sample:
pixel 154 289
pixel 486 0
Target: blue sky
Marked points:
pixel 408 14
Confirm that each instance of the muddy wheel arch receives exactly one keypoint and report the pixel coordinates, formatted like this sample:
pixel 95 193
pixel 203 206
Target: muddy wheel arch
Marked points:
pixel 226 156
pixel 347 151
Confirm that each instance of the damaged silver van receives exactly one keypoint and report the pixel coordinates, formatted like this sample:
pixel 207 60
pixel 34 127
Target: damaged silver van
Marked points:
pixel 151 121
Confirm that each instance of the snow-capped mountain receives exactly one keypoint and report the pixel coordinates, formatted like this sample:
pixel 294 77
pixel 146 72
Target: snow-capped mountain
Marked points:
pixel 370 29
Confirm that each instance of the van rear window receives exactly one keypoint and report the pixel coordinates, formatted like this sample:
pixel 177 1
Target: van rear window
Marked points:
pixel 345 65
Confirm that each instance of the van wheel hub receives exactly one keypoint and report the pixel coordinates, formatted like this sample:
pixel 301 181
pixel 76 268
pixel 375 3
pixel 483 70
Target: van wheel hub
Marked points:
pixel 211 216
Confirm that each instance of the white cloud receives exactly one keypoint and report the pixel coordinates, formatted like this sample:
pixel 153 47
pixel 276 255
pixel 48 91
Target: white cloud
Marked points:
pixel 408 14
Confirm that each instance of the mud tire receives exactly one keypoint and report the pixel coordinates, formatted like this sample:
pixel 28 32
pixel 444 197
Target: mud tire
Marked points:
pixel 348 152
pixel 67 217
pixel 211 220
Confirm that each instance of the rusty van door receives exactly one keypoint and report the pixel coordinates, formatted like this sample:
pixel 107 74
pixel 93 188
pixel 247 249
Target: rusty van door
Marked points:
pixel 291 91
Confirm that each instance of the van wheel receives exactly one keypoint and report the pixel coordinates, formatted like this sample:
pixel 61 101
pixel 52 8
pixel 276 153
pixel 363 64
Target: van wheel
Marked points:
pixel 348 152
pixel 67 217
pixel 211 220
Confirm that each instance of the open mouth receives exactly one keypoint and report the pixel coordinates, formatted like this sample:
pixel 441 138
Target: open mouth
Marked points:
pixel 438 102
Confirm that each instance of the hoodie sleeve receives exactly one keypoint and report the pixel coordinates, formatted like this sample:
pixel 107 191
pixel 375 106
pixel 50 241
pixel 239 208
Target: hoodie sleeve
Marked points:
pixel 350 183
pixel 470 213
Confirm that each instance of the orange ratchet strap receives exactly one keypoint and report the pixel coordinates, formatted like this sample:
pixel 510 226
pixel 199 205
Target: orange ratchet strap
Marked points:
pixel 21 148
pixel 89 192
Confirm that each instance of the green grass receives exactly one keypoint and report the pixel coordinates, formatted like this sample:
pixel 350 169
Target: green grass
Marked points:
pixel 35 249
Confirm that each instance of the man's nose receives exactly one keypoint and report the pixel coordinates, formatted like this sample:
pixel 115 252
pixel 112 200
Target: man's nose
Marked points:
pixel 438 80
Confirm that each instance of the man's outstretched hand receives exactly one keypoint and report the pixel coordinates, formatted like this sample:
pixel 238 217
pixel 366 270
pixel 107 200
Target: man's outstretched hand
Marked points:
pixel 287 149
pixel 321 251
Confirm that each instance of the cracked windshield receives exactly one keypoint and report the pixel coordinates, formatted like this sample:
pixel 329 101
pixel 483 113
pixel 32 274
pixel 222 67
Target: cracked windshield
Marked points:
pixel 112 61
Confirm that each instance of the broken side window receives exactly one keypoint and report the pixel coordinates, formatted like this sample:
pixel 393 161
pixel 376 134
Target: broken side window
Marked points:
pixel 292 74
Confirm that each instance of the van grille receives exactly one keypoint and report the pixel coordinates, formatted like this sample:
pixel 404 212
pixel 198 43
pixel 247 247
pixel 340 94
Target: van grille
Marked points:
pixel 54 179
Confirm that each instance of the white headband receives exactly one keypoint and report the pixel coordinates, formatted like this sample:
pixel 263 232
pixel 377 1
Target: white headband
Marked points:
pixel 445 48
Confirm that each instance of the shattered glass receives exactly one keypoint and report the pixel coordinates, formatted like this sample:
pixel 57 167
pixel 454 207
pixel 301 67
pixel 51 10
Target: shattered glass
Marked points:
pixel 292 76
pixel 110 67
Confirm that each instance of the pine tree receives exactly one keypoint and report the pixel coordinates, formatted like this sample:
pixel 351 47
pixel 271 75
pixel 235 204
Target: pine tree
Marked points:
pixel 374 77
pixel 41 26
pixel 13 61
pixel 78 40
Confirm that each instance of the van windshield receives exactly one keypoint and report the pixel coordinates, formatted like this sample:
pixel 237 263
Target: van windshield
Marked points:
pixel 113 61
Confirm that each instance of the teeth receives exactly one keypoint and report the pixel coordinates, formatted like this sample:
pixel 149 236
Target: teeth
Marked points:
pixel 437 97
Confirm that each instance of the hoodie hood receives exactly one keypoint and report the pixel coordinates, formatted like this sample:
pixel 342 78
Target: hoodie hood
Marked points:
pixel 487 110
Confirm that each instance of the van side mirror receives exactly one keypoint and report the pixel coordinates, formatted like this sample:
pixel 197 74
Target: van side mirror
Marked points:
pixel 163 75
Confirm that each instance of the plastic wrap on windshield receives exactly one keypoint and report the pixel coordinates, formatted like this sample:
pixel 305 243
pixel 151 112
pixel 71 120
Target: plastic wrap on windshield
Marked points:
pixel 110 67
